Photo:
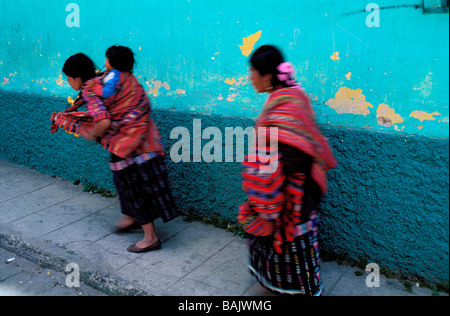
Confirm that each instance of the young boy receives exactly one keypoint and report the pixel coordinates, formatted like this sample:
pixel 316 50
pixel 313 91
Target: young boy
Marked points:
pixel 118 59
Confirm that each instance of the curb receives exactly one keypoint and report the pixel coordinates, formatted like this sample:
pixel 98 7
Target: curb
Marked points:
pixel 97 280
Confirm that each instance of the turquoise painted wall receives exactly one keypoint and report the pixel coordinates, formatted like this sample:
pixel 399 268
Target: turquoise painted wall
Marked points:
pixel 392 78
pixel 381 95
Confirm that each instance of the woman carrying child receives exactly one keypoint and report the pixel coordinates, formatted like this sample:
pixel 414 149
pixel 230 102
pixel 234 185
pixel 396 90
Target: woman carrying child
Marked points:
pixel 119 118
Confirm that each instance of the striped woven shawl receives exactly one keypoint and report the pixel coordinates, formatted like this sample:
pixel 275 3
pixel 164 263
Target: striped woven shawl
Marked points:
pixel 274 200
pixel 290 110
pixel 132 132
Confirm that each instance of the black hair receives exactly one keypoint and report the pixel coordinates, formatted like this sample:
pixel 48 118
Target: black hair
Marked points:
pixel 80 66
pixel 266 60
pixel 121 58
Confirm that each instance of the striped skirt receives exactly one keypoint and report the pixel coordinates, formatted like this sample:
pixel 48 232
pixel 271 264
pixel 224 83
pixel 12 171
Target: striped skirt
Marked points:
pixel 144 190
pixel 296 271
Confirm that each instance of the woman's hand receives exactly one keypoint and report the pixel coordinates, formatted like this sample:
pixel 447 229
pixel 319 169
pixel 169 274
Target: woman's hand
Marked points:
pixel 87 135
pixel 98 130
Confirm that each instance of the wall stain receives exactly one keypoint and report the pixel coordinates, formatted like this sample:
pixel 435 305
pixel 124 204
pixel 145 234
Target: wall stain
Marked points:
pixel 402 6
pixel 426 86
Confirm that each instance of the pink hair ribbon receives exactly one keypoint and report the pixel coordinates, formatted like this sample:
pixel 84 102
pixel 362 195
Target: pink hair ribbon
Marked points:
pixel 287 74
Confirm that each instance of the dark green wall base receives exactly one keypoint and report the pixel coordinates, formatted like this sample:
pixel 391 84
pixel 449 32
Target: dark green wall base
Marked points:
pixel 387 203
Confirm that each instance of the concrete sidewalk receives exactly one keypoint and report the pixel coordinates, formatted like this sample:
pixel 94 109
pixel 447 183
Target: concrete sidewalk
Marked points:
pixel 51 222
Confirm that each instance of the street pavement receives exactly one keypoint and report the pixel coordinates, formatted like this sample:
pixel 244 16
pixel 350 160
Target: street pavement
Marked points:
pixel 57 233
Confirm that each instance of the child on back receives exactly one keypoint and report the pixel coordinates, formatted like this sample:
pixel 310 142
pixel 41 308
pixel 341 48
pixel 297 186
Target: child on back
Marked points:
pixel 118 59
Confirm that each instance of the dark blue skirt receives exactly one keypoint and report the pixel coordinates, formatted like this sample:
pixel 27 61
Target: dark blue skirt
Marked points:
pixel 296 271
pixel 144 191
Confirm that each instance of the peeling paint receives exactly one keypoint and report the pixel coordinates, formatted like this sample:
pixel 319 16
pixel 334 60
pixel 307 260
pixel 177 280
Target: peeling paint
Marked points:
pixel 181 91
pixel 249 43
pixel 387 117
pixel 216 54
pixel 335 56
pixel 230 81
pixel 60 81
pixel 232 97
pixel 156 85
pixel 234 91
pixel 5 81
pixel 424 116
pixel 349 76
pixel 239 82
pixel 350 101
pixel 399 129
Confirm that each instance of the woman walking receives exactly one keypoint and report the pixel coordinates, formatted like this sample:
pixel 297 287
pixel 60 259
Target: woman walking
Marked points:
pixel 122 124
pixel 282 213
